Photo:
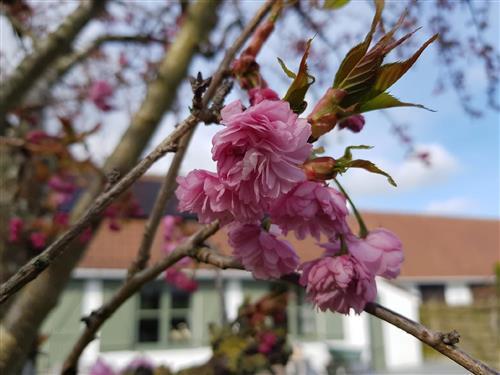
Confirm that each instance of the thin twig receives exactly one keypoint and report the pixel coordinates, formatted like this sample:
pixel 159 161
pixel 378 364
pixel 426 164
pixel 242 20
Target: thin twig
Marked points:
pixel 167 187
pixel 98 317
pixel 445 343
pixel 39 263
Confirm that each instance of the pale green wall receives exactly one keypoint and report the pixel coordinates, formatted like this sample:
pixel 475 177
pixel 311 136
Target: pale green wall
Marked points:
pixel 62 327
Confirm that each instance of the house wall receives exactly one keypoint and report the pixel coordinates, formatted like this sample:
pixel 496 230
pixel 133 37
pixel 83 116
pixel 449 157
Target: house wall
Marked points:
pixel 313 334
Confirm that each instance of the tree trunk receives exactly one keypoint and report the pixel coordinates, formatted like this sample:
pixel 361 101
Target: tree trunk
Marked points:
pixel 34 302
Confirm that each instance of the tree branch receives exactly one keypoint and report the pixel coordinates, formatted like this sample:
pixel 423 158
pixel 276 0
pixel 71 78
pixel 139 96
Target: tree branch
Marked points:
pixel 23 319
pixel 443 343
pixel 34 65
pixel 130 287
pixel 39 263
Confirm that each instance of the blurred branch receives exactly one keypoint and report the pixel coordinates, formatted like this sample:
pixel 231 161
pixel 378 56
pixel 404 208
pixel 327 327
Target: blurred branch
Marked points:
pixel 35 64
pixel 445 343
pixel 96 319
pixel 167 188
pixel 39 263
pixel 24 317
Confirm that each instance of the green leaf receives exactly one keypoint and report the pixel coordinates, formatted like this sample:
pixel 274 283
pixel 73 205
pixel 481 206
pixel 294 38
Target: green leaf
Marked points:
pixel 301 83
pixel 348 154
pixel 355 55
pixel 370 167
pixel 334 4
pixel 386 100
pixel 390 73
pixel 287 71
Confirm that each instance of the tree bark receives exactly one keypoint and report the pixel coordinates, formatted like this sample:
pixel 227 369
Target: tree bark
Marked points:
pixel 33 304
pixel 35 64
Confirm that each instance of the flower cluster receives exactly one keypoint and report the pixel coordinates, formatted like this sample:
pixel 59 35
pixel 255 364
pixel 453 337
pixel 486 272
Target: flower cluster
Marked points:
pixel 262 189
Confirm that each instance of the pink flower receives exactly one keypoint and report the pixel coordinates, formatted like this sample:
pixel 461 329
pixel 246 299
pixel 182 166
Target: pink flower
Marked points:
pixel 86 235
pixel 338 283
pixel 261 252
pixel 257 95
pixel 101 368
pixel 100 93
pixel 180 280
pixel 63 187
pixel 38 240
pixel 354 123
pixel 198 193
pixel 36 136
pixel 267 340
pixel 381 252
pixel 201 192
pixel 61 219
pixel 170 222
pixel 259 150
pixel 311 208
pixel 16 225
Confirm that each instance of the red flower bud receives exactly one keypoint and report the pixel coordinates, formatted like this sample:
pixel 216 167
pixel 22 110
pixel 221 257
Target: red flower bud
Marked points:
pixel 320 169
pixel 354 123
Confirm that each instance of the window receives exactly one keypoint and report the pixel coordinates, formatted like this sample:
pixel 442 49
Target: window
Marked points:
pixel 179 327
pixel 163 316
pixel 432 292
pixel 149 321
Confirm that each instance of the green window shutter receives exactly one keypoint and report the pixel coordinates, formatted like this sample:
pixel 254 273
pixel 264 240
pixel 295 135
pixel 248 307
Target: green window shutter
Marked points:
pixel 118 333
pixel 206 309
pixel 62 327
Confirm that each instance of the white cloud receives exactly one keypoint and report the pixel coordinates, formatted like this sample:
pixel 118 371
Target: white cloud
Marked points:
pixel 451 206
pixel 409 174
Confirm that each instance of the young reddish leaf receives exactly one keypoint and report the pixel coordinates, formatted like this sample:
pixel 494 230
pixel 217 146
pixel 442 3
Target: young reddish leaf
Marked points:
pixel 335 4
pixel 386 100
pixel 370 167
pixel 354 56
pixel 287 71
pixel 301 83
pixel 390 73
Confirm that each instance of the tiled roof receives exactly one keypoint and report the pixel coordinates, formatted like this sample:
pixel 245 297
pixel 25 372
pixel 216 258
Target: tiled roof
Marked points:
pixel 433 246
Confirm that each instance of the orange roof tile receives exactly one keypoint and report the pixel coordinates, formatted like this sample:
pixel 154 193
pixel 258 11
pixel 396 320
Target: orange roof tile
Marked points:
pixel 433 246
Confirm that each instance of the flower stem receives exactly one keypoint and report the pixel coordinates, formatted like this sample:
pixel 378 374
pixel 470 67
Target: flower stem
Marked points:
pixel 363 230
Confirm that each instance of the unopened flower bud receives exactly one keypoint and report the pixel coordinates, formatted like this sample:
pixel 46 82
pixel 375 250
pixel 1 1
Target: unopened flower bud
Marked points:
pixel 354 123
pixel 320 169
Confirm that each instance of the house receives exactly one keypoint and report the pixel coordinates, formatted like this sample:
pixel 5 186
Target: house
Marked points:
pixel 448 259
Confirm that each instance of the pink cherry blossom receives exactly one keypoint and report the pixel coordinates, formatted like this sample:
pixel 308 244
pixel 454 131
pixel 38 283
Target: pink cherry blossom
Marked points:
pixel 101 368
pixel 381 252
pixel 338 283
pixel 16 225
pixel 38 240
pixel 354 123
pixel 261 252
pixel 170 222
pixel 311 208
pixel 99 93
pixel 257 95
pixel 180 280
pixel 259 151
pixel 267 340
pixel 61 219
pixel 197 193
pixel 63 187
pixel 203 193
